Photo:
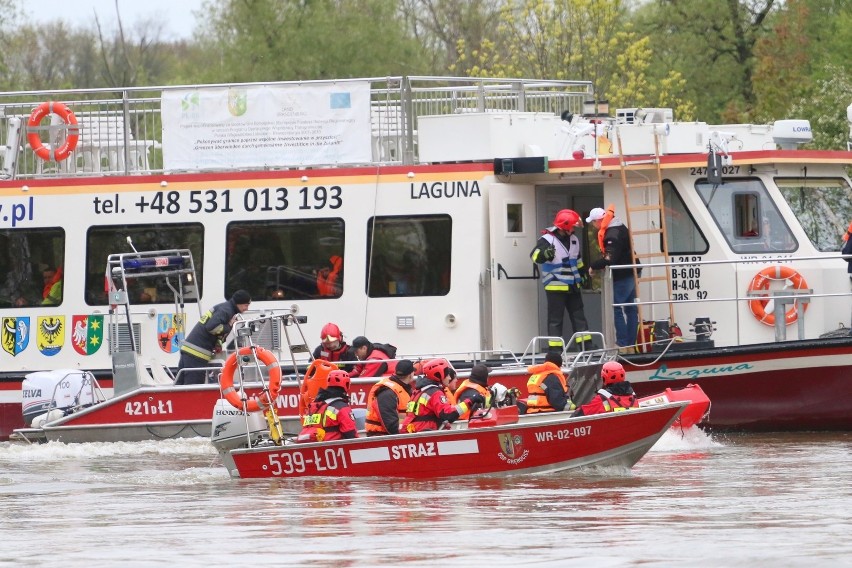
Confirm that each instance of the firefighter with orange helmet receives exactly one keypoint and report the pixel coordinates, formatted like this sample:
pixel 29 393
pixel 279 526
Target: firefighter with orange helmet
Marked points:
pixel 558 254
pixel 429 408
pixel 329 416
pixel 333 347
pixel 616 395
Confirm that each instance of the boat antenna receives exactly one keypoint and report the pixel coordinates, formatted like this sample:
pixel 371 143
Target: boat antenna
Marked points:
pixel 130 242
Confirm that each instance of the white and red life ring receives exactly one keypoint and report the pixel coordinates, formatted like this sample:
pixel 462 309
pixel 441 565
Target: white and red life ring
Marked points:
pixel 762 280
pixel 33 137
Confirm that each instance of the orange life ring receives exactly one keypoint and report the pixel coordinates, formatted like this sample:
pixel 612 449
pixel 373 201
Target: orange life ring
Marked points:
pixel 762 280
pixel 34 138
pixel 261 401
pixel 316 378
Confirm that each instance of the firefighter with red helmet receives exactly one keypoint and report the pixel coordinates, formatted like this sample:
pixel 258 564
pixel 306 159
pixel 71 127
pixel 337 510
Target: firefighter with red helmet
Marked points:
pixel 558 254
pixel 329 417
pixel 616 395
pixel 429 408
pixel 333 347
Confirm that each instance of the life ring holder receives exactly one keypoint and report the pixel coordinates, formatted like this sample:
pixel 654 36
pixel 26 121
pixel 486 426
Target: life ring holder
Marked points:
pixel 316 378
pixel 34 124
pixel 260 402
pixel 761 282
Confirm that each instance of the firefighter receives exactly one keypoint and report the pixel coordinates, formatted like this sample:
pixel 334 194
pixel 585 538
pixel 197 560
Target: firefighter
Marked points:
pixel 388 399
pixel 333 347
pixel 429 409
pixel 616 395
pixel 329 416
pixel 477 383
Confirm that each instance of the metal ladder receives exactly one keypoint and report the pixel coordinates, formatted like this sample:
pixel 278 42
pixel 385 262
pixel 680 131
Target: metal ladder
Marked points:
pixel 646 217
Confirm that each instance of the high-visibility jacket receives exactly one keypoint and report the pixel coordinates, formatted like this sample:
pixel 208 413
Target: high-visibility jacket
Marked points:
pixel 605 401
pixel 537 400
pixel 327 420
pixel 375 424
pixel 429 409
pixel 467 384
pixel 562 273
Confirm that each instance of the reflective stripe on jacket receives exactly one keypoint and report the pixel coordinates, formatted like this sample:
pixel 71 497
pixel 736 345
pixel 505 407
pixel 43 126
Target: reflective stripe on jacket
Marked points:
pixel 374 415
pixel 537 399
pixel 562 274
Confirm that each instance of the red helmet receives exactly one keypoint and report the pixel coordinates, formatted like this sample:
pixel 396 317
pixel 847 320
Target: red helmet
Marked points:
pixel 330 333
pixel 612 372
pixel 437 369
pixel 339 379
pixel 567 219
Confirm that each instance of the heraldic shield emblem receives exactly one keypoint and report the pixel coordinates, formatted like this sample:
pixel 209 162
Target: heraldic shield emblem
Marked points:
pixel 170 332
pixel 511 444
pixel 87 333
pixel 50 334
pixel 16 334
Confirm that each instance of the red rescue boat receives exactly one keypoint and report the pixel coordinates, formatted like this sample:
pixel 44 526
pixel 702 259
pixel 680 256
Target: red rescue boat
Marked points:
pixel 528 444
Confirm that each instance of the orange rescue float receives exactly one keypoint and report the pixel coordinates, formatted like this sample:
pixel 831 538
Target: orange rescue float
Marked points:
pixel 316 378
pixel 258 402
pixel 762 280
pixel 65 149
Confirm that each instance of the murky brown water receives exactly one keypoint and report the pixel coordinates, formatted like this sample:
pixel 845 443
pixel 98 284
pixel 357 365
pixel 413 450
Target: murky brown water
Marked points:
pixel 732 500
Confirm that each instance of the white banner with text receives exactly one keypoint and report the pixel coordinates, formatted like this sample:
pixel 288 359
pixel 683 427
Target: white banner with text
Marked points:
pixel 266 126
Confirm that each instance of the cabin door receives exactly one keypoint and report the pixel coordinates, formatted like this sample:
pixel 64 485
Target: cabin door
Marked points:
pixel 582 199
pixel 510 294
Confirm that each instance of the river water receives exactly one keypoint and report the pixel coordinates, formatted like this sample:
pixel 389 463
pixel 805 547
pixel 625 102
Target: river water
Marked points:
pixel 695 500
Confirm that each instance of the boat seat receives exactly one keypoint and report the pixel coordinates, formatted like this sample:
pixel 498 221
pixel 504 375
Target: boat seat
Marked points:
pixel 161 375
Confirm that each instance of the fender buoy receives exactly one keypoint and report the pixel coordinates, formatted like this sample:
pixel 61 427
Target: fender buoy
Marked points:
pixel 762 280
pixel 34 138
pixel 316 378
pixel 258 402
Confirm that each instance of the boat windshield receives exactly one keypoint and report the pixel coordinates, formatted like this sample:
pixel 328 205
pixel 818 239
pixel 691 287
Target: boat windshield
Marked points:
pixel 822 205
pixel 747 216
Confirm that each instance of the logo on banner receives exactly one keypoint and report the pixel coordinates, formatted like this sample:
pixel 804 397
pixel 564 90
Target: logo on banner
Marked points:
pixel 237 102
pixel 16 334
pixel 170 332
pixel 513 448
pixel 50 334
pixel 87 334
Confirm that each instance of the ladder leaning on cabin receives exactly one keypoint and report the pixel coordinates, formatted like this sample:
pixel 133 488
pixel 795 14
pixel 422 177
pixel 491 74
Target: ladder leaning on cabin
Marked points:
pixel 646 217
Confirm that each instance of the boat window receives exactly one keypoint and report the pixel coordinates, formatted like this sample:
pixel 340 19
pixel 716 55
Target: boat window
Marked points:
pixel 32 265
pixel 822 205
pixel 684 236
pixel 410 256
pixel 747 216
pixel 285 260
pixel 514 218
pixel 103 241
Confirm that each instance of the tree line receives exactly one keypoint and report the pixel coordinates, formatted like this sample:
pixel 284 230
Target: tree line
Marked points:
pixel 717 61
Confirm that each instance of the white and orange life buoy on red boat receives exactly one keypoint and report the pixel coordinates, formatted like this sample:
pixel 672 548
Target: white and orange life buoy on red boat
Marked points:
pixel 762 280
pixel 64 150
pixel 261 401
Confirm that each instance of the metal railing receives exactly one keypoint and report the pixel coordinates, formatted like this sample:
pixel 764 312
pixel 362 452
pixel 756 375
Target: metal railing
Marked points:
pixel 121 131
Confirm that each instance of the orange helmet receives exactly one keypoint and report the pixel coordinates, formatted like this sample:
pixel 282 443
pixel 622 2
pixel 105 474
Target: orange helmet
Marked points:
pixel 339 379
pixel 612 372
pixel 437 369
pixel 330 333
pixel 567 219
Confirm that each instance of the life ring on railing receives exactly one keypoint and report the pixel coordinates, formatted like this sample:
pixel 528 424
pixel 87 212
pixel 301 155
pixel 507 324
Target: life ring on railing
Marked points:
pixel 761 281
pixel 34 138
pixel 316 378
pixel 258 402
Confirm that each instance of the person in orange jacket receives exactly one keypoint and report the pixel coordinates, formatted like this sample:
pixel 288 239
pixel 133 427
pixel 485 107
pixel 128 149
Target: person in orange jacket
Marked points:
pixel 429 408
pixel 329 416
pixel 547 387
pixel 477 383
pixel 388 399
pixel 617 393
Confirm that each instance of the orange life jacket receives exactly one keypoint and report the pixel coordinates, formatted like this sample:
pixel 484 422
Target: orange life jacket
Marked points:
pixel 328 286
pixel 374 417
pixel 607 219
pixel 468 384
pixel 537 399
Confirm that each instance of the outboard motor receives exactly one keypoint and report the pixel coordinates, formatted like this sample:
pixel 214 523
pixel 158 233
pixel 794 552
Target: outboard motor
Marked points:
pixel 228 430
pixel 49 395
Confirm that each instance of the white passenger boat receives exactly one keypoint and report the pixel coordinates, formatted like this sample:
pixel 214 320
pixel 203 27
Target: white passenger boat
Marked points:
pixel 424 196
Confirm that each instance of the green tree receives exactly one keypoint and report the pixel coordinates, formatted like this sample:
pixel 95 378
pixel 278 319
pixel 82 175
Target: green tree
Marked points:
pixel 270 40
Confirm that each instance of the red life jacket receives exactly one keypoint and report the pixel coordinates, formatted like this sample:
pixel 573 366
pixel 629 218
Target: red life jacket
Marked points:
pixel 321 422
